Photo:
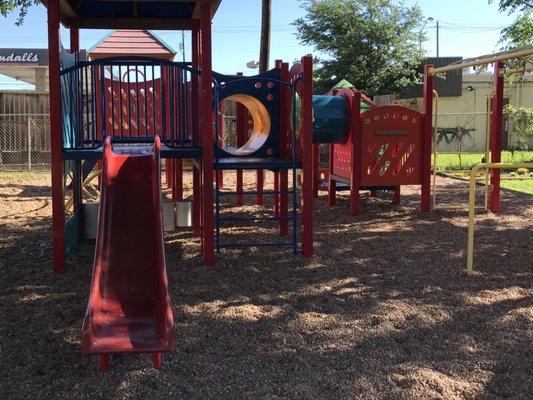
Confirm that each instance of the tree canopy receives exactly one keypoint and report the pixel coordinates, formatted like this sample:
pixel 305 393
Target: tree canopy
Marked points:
pixel 514 5
pixel 375 44
pixel 8 6
pixel 520 32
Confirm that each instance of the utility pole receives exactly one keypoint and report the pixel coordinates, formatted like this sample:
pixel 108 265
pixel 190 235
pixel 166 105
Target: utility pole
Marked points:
pixel 183 45
pixel 437 38
pixel 264 51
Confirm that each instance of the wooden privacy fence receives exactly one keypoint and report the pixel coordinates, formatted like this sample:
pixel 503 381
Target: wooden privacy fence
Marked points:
pixel 24 130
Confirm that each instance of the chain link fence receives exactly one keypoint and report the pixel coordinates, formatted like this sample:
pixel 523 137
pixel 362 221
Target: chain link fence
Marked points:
pixel 24 142
pixel 464 132
pixel 229 124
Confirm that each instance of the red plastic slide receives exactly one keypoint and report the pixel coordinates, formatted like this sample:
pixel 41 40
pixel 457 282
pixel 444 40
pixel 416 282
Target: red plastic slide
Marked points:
pixel 129 307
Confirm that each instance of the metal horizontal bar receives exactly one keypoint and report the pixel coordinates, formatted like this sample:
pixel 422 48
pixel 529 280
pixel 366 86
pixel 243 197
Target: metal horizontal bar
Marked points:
pixel 224 219
pixel 256 192
pixel 241 245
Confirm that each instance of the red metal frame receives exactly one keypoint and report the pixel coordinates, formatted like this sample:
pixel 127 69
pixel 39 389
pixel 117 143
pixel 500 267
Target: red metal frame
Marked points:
pixel 197 184
pixel 58 205
pixel 241 126
pixel 284 151
pixel 307 156
pixel 496 137
pixel 207 135
pixel 427 134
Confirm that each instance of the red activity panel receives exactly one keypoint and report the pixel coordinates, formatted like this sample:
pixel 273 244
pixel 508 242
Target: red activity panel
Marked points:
pixel 391 146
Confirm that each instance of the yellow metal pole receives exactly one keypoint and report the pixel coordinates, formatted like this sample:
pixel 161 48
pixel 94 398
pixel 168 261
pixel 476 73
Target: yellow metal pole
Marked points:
pixel 436 112
pixel 472 204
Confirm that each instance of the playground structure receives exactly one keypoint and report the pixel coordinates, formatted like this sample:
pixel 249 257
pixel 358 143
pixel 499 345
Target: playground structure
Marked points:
pixel 132 111
pixel 384 148
pixel 115 109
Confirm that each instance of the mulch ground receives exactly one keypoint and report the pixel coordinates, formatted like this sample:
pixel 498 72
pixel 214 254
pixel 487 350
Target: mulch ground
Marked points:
pixel 384 310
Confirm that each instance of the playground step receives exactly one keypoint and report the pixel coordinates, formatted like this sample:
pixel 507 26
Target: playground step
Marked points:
pixel 242 163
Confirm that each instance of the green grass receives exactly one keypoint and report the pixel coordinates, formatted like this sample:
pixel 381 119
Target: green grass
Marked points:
pixel 519 185
pixel 450 161
pixel 11 176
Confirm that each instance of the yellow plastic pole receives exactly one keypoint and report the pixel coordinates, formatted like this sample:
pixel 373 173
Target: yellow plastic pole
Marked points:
pixel 472 205
pixel 434 136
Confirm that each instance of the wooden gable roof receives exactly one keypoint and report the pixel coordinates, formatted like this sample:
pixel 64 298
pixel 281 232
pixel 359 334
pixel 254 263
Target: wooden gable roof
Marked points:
pixel 131 42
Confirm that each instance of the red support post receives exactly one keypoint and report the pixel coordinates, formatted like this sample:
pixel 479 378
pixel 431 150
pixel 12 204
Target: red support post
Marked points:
pixel 177 179
pixel 58 201
pixel 307 162
pixel 77 170
pixel 207 135
pixel 169 173
pixel 427 134
pixel 276 196
pixel 396 195
pixel 316 174
pixel 195 99
pixel 496 138
pixel 284 149
pixel 74 39
pixel 355 128
pixel 241 126
pixel 332 186
pixel 259 183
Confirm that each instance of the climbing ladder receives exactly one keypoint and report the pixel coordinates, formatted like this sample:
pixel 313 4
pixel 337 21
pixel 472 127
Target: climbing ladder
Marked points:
pixel 274 165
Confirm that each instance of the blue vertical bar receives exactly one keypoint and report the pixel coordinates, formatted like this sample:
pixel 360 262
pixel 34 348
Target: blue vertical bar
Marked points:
pixel 102 96
pixel 163 103
pixel 112 101
pixel 120 112
pixel 153 100
pixel 129 102
pixel 145 104
pixel 137 110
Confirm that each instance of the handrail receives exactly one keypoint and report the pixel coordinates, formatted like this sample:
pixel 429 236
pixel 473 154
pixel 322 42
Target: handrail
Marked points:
pixel 135 60
pixel 472 203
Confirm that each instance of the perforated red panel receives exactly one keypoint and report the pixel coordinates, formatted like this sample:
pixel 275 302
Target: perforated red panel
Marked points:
pixel 135 109
pixel 391 146
pixel 341 157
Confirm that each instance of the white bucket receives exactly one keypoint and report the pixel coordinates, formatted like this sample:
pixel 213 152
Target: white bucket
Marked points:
pixel 184 213
pixel 90 219
pixel 168 217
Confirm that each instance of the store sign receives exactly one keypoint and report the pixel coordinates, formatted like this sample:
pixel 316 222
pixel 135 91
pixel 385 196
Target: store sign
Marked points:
pixel 20 58
pixel 24 56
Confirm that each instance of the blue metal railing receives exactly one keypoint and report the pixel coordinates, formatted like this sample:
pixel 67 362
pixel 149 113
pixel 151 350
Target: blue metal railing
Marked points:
pixel 131 99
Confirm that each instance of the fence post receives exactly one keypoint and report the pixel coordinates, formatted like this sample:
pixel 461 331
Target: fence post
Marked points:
pixel 29 143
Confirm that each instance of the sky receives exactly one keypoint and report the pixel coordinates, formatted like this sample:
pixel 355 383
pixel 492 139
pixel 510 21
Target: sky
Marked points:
pixel 467 28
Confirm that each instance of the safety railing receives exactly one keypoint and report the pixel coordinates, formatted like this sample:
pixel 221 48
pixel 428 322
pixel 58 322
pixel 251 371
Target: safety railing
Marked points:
pixel 472 204
pixel 131 99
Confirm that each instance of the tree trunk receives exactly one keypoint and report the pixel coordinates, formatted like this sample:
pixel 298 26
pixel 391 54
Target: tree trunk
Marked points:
pixel 264 51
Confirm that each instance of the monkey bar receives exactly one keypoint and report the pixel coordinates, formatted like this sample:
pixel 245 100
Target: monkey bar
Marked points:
pixel 495 144
pixel 518 52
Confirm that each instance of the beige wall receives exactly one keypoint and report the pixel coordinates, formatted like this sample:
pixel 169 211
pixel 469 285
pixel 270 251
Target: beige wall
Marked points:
pixel 469 111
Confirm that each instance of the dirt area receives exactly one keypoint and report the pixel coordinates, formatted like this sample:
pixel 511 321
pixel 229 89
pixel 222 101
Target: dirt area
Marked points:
pixel 384 311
